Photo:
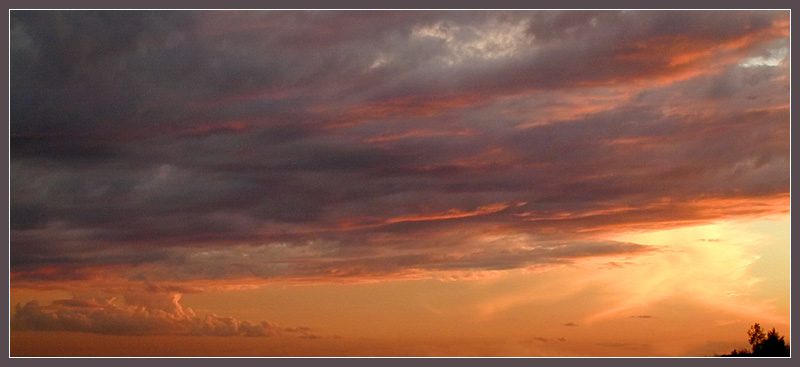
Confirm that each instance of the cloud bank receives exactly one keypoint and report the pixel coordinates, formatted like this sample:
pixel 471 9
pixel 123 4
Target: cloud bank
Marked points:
pixel 362 145
pixel 154 312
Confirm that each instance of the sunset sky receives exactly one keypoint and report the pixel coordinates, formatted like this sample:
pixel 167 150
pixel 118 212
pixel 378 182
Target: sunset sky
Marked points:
pixel 398 183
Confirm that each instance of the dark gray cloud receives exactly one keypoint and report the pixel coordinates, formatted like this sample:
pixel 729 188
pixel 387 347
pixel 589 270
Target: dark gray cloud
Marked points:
pixel 394 138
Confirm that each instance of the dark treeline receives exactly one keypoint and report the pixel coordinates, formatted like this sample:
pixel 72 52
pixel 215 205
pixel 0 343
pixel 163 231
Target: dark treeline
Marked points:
pixel 770 344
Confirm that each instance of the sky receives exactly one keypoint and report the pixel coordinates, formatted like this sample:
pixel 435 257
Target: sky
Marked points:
pixel 397 183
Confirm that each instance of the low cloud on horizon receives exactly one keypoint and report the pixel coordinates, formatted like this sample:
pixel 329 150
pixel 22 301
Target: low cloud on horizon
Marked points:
pixel 154 311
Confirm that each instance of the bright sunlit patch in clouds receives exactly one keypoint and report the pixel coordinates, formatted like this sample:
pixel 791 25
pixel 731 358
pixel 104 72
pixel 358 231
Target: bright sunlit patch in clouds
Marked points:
pixel 709 264
pixel 775 58
pixel 730 271
pixel 493 41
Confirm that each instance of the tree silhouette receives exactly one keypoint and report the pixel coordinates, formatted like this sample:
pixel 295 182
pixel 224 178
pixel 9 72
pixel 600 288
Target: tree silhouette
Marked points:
pixel 756 335
pixel 770 344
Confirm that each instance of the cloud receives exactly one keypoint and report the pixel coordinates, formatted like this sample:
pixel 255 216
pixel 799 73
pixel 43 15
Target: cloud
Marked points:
pixel 399 140
pixel 327 261
pixel 156 311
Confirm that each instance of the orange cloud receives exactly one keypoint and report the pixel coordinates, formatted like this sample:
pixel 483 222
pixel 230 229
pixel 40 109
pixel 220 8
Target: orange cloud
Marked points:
pixel 450 214
pixel 419 133
pixel 406 107
pixel 455 213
